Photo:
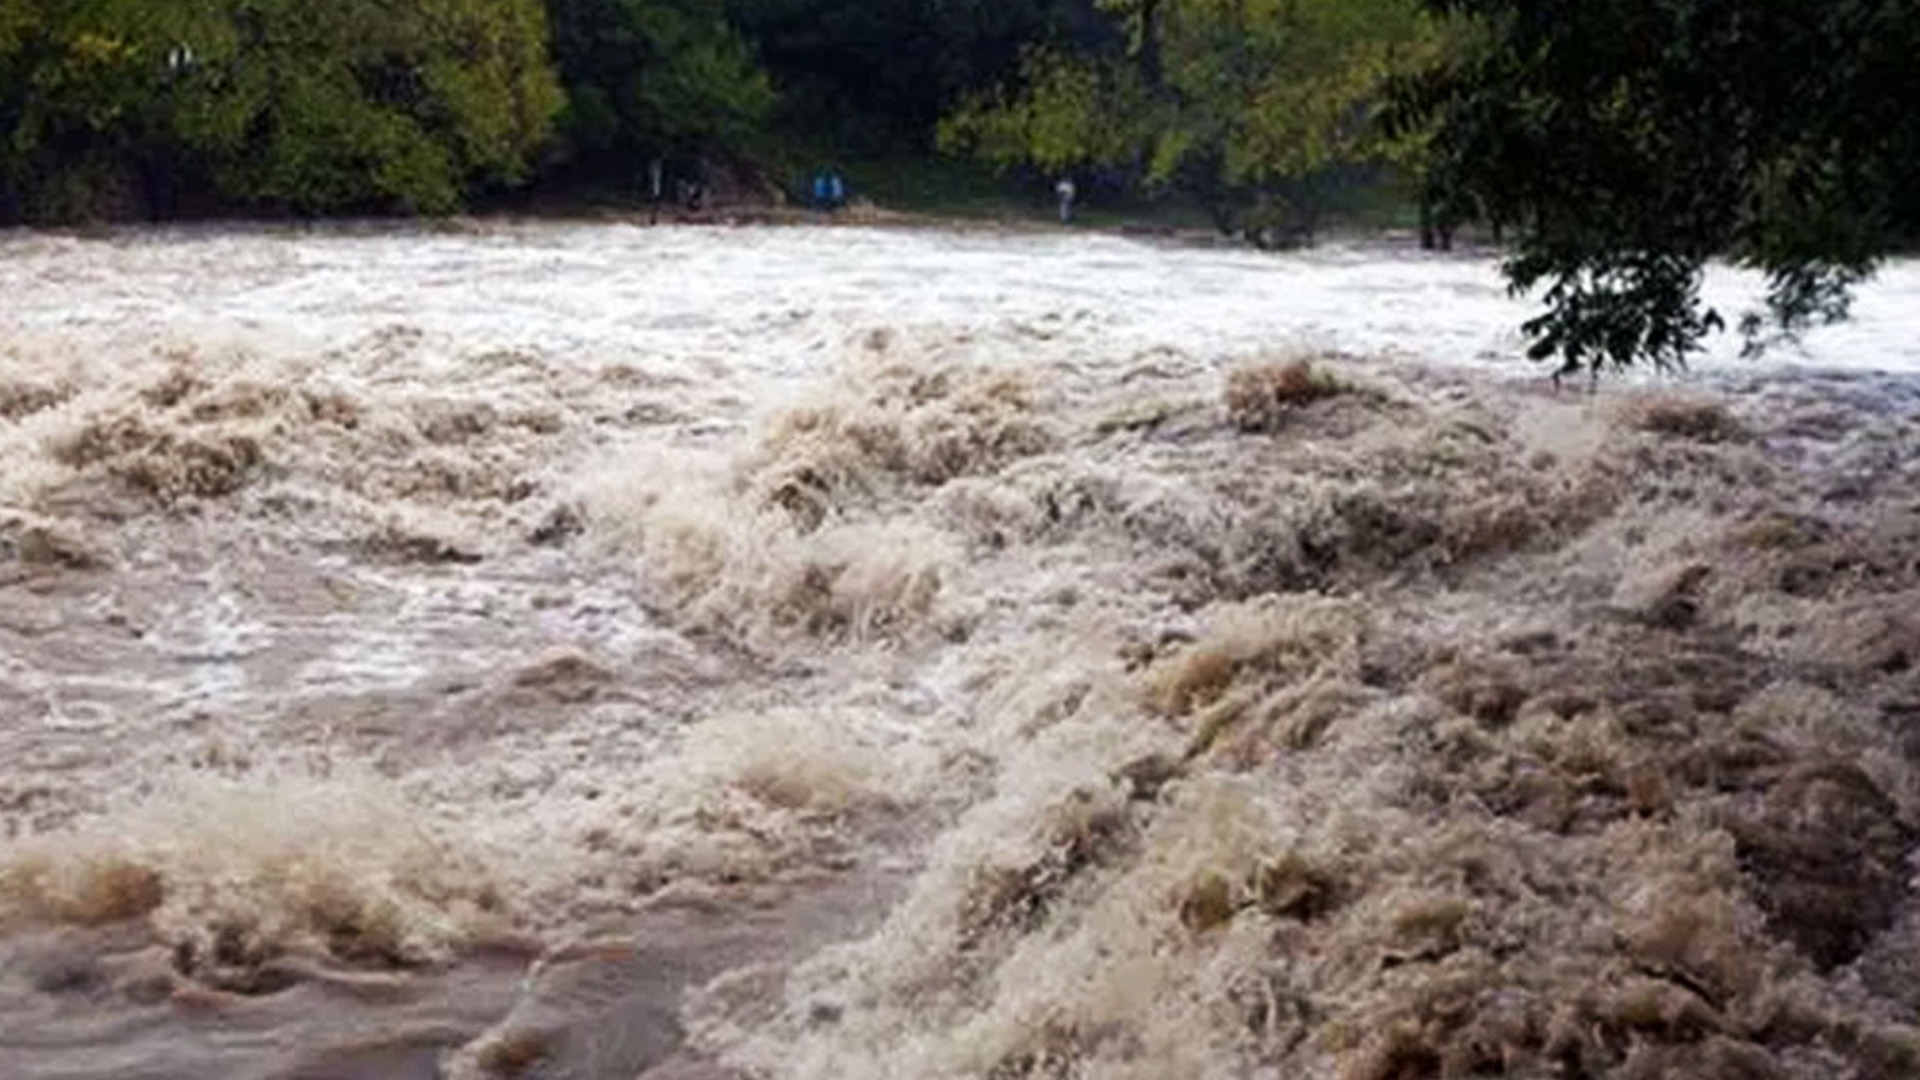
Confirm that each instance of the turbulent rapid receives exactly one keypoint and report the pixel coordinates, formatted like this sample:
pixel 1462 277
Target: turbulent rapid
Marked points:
pixel 590 651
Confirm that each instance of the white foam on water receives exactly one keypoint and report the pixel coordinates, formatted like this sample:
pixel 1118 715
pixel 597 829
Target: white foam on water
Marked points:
pixel 668 565
pixel 776 301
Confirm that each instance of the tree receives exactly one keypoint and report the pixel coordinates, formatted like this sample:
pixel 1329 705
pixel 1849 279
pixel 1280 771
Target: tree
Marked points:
pixel 80 113
pixel 1068 113
pixel 349 104
pixel 1626 143
pixel 879 73
pixel 1260 107
pixel 357 102
pixel 655 78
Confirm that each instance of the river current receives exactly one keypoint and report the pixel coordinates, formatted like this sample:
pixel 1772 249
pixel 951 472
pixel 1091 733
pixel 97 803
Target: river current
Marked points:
pixel 581 650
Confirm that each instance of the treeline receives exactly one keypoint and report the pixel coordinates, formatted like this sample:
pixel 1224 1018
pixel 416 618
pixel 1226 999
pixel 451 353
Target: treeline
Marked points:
pixel 1265 112
pixel 155 108
pixel 123 108
pixel 160 108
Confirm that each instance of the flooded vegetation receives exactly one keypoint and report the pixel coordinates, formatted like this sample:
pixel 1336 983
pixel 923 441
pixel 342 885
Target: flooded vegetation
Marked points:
pixel 581 651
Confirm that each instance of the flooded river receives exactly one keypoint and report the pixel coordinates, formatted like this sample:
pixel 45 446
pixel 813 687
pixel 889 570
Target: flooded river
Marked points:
pixel 588 651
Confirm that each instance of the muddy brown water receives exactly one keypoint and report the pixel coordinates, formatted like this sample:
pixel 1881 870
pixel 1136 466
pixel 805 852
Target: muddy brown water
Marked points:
pixel 604 1008
pixel 594 652
pixel 112 1003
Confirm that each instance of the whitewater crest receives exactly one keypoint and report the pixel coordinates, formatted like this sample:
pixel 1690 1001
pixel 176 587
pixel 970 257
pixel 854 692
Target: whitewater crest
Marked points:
pixel 1415 726
pixel 974 674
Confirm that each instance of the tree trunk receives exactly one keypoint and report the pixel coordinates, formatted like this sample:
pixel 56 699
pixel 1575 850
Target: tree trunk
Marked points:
pixel 1150 42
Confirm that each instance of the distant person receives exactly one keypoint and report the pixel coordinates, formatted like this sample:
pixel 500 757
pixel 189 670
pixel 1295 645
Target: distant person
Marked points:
pixel 1067 192
pixel 829 190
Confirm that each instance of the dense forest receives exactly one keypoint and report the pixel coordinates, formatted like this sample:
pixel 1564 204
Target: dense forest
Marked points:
pixel 1616 145
pixel 156 108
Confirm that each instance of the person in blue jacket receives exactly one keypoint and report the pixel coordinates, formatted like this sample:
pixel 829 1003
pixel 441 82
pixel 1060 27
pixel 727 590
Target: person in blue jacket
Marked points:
pixel 829 190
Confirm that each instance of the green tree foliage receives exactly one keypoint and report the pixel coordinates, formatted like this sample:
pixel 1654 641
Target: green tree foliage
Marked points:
pixel 1625 143
pixel 880 73
pixel 1069 112
pixel 649 78
pixel 116 108
pixel 76 103
pixel 371 101
pixel 108 104
pixel 1257 105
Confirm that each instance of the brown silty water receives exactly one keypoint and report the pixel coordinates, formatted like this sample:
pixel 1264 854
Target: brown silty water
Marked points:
pixel 574 652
